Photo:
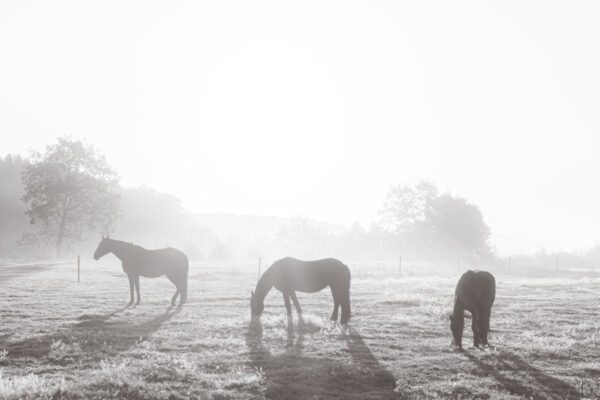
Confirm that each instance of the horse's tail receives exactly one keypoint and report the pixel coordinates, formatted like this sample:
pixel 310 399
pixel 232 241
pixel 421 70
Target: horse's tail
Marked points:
pixel 184 285
pixel 349 307
pixel 346 309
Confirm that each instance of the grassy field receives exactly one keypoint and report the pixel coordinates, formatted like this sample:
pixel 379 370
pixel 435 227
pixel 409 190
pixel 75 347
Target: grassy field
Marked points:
pixel 63 340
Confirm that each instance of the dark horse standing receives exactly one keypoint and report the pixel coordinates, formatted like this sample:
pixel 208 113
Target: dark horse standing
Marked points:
pixel 138 261
pixel 289 275
pixel 475 292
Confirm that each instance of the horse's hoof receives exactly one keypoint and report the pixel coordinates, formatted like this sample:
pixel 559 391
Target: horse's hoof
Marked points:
pixel 488 347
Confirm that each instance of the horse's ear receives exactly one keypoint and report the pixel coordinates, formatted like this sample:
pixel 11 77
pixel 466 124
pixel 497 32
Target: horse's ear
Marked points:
pixel 103 237
pixel 450 317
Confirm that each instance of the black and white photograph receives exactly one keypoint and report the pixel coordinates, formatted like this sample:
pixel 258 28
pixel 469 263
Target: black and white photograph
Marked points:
pixel 347 200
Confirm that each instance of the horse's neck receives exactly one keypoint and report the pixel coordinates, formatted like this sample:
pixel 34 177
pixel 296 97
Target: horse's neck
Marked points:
pixel 265 283
pixel 121 250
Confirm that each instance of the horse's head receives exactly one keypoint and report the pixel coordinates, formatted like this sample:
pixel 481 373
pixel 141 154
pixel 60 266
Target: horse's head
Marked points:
pixel 103 248
pixel 456 326
pixel 256 305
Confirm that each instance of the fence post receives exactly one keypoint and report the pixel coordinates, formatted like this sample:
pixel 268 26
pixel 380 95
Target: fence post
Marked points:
pixel 259 262
pixel 78 268
pixel 400 265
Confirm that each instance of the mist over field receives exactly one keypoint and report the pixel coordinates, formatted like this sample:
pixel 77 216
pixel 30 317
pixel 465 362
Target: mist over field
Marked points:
pixel 263 200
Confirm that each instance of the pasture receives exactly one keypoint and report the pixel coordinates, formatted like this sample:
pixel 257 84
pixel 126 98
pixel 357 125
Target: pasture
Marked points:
pixel 63 340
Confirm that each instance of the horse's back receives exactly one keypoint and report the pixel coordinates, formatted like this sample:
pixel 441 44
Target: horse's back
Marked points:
pixel 311 276
pixel 476 288
pixel 169 254
pixel 167 261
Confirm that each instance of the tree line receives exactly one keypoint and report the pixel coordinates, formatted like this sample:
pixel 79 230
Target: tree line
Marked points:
pixel 68 194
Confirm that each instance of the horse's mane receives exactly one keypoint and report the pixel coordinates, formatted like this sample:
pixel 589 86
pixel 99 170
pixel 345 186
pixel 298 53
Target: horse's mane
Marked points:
pixel 129 244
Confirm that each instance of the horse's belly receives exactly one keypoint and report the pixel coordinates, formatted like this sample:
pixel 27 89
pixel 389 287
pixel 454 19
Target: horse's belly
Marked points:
pixel 148 271
pixel 152 271
pixel 309 288
pixel 151 274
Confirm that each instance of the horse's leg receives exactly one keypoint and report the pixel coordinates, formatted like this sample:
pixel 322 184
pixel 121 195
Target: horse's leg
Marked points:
pixel 296 303
pixel 286 299
pixel 485 325
pixel 182 283
pixel 183 297
pixel 475 326
pixel 182 288
pixel 174 298
pixel 181 291
pixel 336 304
pixel 137 288
pixel 131 285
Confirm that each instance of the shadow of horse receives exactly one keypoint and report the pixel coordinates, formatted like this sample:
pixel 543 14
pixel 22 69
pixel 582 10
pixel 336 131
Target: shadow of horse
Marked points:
pixel 293 375
pixel 94 337
pixel 520 378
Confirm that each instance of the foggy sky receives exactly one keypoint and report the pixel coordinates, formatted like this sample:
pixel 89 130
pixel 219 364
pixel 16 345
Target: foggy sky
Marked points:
pixel 316 108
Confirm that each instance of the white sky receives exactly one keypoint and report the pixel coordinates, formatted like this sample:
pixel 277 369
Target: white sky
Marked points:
pixel 315 108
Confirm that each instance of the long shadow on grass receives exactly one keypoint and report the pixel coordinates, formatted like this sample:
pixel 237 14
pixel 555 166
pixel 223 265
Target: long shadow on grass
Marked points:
pixel 94 337
pixel 293 375
pixel 520 378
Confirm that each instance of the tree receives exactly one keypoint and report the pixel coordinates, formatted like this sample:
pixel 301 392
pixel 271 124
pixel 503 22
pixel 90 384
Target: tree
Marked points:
pixel 70 189
pixel 406 206
pixel 457 227
pixel 13 222
pixel 440 223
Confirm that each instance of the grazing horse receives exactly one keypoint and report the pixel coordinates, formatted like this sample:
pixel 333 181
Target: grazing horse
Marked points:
pixel 475 292
pixel 289 275
pixel 138 261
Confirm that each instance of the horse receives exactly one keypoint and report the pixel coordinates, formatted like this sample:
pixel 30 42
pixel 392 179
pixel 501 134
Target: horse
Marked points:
pixel 289 275
pixel 137 261
pixel 475 292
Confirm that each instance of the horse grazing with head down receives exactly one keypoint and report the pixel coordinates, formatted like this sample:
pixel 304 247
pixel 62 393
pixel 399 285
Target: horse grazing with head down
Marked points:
pixel 137 261
pixel 475 292
pixel 290 275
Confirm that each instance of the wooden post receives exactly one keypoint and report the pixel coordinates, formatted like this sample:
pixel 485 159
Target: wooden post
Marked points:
pixel 78 268
pixel 400 265
pixel 259 262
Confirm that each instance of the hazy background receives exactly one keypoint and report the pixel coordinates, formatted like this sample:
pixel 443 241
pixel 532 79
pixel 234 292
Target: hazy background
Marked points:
pixel 313 111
